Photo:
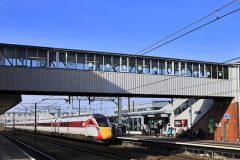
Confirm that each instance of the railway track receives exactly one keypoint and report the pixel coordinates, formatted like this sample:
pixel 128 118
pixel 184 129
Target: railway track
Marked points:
pixel 110 152
pixel 93 149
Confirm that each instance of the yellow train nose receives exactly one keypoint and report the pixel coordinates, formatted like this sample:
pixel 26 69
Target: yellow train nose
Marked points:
pixel 106 133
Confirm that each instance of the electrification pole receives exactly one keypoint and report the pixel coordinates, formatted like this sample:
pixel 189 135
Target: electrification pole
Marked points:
pixel 35 122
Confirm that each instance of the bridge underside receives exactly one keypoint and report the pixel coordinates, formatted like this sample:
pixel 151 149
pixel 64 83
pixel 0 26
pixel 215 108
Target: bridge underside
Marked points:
pixel 111 95
pixel 52 81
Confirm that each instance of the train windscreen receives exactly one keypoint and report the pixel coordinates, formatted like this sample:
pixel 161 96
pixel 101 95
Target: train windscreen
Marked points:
pixel 101 120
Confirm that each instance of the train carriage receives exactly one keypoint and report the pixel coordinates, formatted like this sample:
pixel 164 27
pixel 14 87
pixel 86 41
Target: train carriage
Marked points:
pixel 20 125
pixel 29 125
pixel 45 126
pixel 95 127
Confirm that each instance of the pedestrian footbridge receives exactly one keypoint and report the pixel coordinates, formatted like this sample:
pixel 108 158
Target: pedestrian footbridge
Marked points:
pixel 56 71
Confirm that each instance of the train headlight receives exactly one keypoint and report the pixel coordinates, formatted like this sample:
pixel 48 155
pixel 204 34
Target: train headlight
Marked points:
pixel 98 129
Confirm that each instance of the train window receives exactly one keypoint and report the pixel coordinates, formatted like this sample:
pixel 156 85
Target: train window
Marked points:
pixel 90 122
pixel 101 120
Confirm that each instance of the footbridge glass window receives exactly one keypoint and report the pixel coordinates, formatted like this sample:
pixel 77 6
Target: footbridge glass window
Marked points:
pixel 99 62
pixel 220 72
pixel 189 69
pixel 71 60
pixel 176 68
pixel 31 58
pixel 62 60
pixel 81 61
pixel 208 71
pixel 195 70
pixel 147 66
pixel 42 58
pixel 214 72
pixel 116 64
pixel 162 67
pixel 1 55
pixel 225 72
pixel 90 62
pixel 124 64
pixel 107 63
pixel 139 65
pixel 154 66
pixel 183 68
pixel 169 68
pixel 52 59
pixel 202 70
pixel 132 67
pixel 10 59
pixel 21 57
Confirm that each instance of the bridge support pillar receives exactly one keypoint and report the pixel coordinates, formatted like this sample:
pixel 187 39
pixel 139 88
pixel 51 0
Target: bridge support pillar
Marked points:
pixel 7 101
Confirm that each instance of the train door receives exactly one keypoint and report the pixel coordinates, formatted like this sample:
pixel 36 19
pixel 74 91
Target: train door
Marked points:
pixel 58 127
pixel 67 127
pixel 51 126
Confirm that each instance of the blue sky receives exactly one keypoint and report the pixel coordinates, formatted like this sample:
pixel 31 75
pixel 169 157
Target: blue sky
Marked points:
pixel 123 27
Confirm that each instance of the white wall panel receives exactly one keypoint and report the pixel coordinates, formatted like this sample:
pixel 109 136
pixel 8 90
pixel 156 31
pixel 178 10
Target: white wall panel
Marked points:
pixel 58 80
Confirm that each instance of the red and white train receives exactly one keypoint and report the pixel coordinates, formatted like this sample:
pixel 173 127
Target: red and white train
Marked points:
pixel 95 127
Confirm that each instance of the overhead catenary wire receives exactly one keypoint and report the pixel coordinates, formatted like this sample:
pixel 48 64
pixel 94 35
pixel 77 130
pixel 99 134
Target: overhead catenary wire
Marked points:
pixel 145 49
pixel 174 76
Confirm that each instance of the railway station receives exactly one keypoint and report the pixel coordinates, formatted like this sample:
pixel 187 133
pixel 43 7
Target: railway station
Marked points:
pixel 204 94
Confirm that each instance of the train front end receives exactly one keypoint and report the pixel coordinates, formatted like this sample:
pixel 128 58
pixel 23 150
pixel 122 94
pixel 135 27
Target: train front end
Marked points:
pixel 104 129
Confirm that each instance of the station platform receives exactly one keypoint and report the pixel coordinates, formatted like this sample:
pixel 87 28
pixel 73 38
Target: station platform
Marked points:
pixel 10 151
pixel 226 145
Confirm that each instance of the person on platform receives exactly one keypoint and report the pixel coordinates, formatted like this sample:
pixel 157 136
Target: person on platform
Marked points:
pixel 187 132
pixel 199 134
pixel 168 126
pixel 113 128
pixel 179 132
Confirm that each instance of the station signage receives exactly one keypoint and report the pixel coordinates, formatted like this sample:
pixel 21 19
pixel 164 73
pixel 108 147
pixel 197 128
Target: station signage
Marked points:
pixel 164 115
pixel 181 123
pixel 211 125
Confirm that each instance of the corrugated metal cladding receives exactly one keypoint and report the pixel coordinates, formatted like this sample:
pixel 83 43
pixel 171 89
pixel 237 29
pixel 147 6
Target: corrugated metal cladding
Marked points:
pixel 63 80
